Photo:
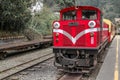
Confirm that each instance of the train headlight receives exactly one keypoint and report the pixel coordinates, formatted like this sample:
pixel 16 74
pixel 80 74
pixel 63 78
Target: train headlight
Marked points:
pixel 92 24
pixel 56 25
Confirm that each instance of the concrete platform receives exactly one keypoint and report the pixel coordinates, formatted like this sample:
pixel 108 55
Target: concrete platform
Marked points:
pixel 111 66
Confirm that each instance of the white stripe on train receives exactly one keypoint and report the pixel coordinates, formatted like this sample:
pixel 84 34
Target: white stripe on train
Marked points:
pixel 74 39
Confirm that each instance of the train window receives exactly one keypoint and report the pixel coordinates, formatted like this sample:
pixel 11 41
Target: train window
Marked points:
pixel 70 15
pixel 89 14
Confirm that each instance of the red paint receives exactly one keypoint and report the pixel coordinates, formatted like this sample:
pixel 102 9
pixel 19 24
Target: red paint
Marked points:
pixel 99 37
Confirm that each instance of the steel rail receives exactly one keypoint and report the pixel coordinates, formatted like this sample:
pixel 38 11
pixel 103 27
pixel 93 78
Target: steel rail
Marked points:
pixel 69 76
pixel 8 72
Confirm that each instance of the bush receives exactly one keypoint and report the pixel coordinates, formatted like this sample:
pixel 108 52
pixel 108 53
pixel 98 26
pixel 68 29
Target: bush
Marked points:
pixel 14 15
pixel 42 21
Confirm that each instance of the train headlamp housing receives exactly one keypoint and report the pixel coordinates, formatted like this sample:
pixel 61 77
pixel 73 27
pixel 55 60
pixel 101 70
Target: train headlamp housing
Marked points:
pixel 92 24
pixel 56 25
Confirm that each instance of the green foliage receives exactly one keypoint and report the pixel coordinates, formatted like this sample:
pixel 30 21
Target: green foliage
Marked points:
pixel 116 4
pixel 42 21
pixel 110 8
pixel 65 3
pixel 14 14
pixel 49 3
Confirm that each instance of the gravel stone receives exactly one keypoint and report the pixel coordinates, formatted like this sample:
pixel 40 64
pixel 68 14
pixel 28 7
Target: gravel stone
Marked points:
pixel 31 69
pixel 42 71
pixel 37 66
pixel 24 73
pixel 14 78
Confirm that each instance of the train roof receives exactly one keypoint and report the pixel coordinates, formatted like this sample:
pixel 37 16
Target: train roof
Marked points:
pixel 80 7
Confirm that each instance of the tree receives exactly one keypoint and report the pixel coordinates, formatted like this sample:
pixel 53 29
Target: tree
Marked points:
pixel 65 3
pixel 49 3
pixel 14 14
pixel 116 4
pixel 42 21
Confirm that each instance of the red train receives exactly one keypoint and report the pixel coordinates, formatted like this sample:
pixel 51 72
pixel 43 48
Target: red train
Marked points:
pixel 79 37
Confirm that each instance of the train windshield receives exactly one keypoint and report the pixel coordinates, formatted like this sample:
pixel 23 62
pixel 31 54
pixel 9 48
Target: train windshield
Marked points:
pixel 70 15
pixel 89 14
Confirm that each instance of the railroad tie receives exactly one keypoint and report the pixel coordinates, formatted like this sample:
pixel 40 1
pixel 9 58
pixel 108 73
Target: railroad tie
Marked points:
pixel 71 77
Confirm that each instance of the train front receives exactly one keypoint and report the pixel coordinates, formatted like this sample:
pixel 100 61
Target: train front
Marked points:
pixel 75 39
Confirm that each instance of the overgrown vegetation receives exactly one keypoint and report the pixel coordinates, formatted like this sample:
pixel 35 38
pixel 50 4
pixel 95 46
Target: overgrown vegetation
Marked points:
pixel 42 21
pixel 116 5
pixel 14 15
pixel 65 3
pixel 110 8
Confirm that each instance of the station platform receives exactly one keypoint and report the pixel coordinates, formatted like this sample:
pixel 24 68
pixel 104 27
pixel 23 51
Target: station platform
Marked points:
pixel 111 66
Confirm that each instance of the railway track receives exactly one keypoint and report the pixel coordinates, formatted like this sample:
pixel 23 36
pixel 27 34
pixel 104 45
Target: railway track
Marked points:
pixel 47 71
pixel 92 76
pixel 71 77
pixel 24 62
